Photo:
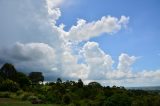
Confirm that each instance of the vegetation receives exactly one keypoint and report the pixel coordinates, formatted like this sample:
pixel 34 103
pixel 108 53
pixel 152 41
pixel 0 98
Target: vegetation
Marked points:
pixel 36 77
pixel 27 90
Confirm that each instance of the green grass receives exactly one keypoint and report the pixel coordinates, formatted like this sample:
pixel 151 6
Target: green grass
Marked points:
pixel 13 102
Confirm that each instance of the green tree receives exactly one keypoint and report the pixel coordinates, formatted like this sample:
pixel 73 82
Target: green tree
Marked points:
pixel 36 77
pixel 59 81
pixel 1 76
pixel 22 80
pixel 118 100
pixel 94 84
pixel 8 71
pixel 80 83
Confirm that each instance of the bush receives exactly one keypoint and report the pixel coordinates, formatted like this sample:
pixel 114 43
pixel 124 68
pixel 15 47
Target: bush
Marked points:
pixel 42 97
pixel 66 99
pixel 30 98
pixel 52 98
pixel 118 100
pixel 19 92
pixel 77 103
pixel 4 95
pixel 25 96
pixel 9 85
pixel 37 101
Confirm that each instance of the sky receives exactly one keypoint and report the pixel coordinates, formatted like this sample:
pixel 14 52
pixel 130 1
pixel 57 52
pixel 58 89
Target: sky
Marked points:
pixel 108 41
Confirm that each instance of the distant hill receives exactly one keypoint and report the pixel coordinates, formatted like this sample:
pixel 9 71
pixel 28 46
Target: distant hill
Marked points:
pixel 152 88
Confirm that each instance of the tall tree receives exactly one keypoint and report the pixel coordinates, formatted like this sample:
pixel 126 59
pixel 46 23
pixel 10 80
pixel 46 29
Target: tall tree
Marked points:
pixel 36 77
pixel 95 85
pixel 59 81
pixel 8 71
pixel 22 80
pixel 80 83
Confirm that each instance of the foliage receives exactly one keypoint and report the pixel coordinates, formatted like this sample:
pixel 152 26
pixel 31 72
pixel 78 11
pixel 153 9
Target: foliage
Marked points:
pixel 95 85
pixel 70 93
pixel 66 99
pixel 118 100
pixel 4 94
pixel 14 102
pixel 9 75
pixel 59 81
pixel 36 77
pixel 26 96
pixel 80 83
pixel 9 85
pixel 8 72
pixel 22 80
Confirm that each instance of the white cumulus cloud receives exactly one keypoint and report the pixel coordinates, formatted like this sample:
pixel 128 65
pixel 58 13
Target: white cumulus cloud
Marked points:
pixel 53 10
pixel 97 61
pixel 85 30
pixel 125 62
pixel 47 47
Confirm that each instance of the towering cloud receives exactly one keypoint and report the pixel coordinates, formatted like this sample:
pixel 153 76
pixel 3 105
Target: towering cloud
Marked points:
pixel 97 61
pixel 45 46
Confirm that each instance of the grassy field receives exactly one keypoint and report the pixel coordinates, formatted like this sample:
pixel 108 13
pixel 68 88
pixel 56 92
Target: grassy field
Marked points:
pixel 13 102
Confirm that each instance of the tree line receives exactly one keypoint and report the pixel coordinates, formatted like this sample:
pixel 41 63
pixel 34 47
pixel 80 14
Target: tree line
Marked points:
pixel 76 93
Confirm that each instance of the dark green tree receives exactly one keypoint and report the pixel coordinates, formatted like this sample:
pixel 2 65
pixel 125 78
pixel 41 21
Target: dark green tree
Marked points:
pixel 8 71
pixel 94 84
pixel 36 77
pixel 1 76
pixel 22 80
pixel 59 80
pixel 80 83
pixel 118 100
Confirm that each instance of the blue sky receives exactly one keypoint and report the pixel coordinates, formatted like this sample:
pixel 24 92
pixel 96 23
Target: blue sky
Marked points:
pixel 142 37
pixel 114 42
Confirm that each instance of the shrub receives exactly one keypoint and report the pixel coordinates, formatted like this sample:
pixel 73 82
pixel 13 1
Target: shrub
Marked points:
pixel 30 98
pixel 25 96
pixel 4 94
pixel 37 101
pixel 19 92
pixel 9 85
pixel 118 100
pixel 77 103
pixel 66 99
pixel 42 97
